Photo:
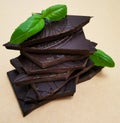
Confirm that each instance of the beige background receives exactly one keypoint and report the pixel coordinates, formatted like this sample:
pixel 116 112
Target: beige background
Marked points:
pixel 95 101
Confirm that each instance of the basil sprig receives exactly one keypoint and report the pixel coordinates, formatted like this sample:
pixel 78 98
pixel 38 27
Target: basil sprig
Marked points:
pixel 100 58
pixel 36 23
pixel 31 26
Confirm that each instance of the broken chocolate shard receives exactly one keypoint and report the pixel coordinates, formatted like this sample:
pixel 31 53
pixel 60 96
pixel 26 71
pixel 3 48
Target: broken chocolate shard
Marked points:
pixel 31 68
pixel 21 93
pixel 88 66
pixel 41 91
pixel 59 29
pixel 48 60
pixel 54 31
pixel 12 46
pixel 82 76
pixel 89 74
pixel 18 66
pixel 74 44
pixel 24 79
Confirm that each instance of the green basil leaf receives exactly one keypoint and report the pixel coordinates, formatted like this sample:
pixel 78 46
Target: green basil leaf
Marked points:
pixel 55 13
pixel 31 26
pixel 100 58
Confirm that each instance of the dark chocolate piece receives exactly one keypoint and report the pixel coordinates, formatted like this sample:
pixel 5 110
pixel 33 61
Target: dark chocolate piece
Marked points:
pixel 18 66
pixel 48 60
pixel 74 44
pixel 88 66
pixel 55 30
pixel 41 91
pixel 21 92
pixel 82 76
pixel 89 74
pixel 80 72
pixel 12 46
pixel 31 68
pixel 24 79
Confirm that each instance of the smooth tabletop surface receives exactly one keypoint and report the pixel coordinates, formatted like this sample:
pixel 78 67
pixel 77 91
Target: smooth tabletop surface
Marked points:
pixel 96 100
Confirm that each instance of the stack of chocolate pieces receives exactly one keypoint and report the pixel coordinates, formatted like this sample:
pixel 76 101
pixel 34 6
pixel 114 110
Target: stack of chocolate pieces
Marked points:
pixel 52 62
